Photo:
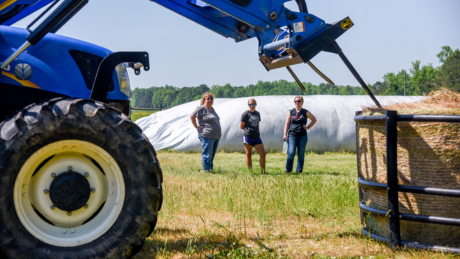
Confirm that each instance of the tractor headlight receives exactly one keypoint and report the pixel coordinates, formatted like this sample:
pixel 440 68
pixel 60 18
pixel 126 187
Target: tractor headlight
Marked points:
pixel 123 79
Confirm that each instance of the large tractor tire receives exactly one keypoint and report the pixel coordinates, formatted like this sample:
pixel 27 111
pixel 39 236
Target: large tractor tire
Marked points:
pixel 78 179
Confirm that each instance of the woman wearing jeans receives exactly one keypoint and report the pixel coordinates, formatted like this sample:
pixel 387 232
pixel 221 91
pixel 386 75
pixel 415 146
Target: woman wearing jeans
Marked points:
pixel 295 132
pixel 209 131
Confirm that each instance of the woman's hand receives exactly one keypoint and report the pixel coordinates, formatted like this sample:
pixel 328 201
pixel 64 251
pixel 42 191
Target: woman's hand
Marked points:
pixel 193 118
pixel 305 127
pixel 284 138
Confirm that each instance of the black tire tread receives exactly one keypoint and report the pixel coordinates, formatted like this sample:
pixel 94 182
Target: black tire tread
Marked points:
pixel 67 118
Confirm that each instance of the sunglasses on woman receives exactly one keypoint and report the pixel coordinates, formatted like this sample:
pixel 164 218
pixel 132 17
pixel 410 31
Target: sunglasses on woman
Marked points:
pixel 210 98
pixel 252 104
pixel 298 101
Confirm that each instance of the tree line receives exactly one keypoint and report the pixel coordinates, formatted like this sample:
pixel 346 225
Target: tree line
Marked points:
pixel 418 80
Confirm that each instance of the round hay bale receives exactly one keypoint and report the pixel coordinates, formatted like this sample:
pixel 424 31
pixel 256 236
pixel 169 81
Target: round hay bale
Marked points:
pixel 428 156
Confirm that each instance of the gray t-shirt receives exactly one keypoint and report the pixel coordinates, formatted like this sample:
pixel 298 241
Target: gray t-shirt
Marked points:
pixel 251 124
pixel 210 121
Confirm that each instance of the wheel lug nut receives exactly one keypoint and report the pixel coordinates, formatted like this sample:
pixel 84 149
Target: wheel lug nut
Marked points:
pixel 70 168
pixel 53 175
pixel 52 207
pixel 86 174
pixel 72 230
pixel 69 213
pixel 111 193
pixel 46 191
pixel 86 206
pixel 93 190
pixel 64 231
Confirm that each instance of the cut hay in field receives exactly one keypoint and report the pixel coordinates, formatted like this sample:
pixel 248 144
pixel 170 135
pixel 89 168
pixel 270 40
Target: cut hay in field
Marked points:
pixel 428 156
pixel 442 99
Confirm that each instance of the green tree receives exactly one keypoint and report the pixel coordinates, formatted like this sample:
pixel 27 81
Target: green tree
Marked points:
pixel 395 83
pixel 228 91
pixel 422 79
pixel 449 73
pixel 445 53
pixel 419 80
pixel 142 98
pixel 217 91
pixel 379 88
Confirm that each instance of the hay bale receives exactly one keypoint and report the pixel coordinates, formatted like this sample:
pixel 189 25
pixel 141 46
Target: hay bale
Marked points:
pixel 428 155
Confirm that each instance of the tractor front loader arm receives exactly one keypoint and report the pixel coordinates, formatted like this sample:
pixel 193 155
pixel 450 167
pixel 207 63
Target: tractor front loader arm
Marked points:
pixel 285 37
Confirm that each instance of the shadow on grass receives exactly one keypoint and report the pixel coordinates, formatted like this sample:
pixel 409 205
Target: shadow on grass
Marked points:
pixel 270 172
pixel 324 173
pixel 352 234
pixel 167 231
pixel 309 174
pixel 167 243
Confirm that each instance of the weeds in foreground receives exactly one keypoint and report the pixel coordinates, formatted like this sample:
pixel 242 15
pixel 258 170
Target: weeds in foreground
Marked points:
pixel 233 213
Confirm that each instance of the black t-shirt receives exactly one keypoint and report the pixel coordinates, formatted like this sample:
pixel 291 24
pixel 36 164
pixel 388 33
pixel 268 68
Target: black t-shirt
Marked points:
pixel 251 124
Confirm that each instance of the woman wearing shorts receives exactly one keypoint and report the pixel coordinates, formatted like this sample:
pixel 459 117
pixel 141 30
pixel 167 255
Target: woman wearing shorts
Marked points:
pixel 250 124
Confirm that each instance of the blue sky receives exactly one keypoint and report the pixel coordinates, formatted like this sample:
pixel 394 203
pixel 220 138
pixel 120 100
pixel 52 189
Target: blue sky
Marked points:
pixel 387 37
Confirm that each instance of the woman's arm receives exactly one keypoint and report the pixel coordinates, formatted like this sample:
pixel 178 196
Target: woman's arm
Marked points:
pixel 286 127
pixel 193 118
pixel 313 120
pixel 242 125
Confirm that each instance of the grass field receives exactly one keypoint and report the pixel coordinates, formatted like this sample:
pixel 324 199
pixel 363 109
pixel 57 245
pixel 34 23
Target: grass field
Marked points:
pixel 137 114
pixel 233 213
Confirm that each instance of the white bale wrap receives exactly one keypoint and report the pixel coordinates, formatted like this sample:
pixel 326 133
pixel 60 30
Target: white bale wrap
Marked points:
pixel 335 129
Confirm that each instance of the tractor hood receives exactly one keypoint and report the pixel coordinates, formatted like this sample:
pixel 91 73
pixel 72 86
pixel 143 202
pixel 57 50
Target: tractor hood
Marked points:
pixel 12 11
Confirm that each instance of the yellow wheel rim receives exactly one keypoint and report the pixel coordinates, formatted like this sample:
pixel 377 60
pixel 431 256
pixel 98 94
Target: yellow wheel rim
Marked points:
pixel 51 225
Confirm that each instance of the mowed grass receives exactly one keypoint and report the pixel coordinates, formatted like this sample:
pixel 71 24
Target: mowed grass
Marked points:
pixel 137 114
pixel 234 213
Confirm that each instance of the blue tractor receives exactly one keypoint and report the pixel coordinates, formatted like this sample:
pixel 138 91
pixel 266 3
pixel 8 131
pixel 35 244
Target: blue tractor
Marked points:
pixel 78 179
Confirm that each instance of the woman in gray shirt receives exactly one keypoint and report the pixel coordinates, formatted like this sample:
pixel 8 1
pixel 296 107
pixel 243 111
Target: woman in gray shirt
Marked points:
pixel 250 124
pixel 209 131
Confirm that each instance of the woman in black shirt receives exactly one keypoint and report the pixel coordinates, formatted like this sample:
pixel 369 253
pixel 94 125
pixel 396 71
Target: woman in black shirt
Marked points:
pixel 295 132
pixel 250 124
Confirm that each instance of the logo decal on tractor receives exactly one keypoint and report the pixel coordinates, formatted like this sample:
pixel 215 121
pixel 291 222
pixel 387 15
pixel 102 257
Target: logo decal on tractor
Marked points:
pixel 23 71
pixel 346 24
